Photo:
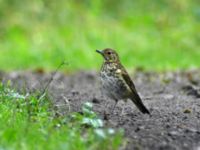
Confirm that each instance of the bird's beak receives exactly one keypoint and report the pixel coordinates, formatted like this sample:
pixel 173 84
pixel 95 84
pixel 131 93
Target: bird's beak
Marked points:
pixel 99 51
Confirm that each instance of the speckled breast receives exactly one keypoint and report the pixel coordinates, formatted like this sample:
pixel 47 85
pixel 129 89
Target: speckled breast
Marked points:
pixel 113 85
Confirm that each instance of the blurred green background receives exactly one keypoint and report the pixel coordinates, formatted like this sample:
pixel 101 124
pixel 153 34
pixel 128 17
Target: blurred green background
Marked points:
pixel 154 35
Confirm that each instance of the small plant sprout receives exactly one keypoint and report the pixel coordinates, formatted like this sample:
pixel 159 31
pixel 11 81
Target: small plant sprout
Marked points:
pixel 90 118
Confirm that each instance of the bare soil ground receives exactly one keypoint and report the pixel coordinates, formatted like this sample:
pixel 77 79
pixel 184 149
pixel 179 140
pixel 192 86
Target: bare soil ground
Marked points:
pixel 173 99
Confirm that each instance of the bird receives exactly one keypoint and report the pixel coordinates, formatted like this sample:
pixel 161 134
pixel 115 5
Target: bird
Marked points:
pixel 115 81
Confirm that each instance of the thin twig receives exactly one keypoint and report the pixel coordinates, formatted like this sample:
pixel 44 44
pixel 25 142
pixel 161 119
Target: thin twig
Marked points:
pixel 43 93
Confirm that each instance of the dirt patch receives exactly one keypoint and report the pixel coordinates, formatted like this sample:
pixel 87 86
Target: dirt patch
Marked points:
pixel 172 98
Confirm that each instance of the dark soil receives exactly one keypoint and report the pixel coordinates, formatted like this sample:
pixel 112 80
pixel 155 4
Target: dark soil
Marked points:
pixel 172 98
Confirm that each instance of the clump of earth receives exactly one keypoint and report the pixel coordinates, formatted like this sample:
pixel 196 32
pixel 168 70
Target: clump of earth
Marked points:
pixel 173 99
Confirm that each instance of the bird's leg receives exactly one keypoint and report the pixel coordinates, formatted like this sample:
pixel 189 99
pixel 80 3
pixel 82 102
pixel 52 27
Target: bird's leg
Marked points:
pixel 122 112
pixel 123 109
pixel 114 106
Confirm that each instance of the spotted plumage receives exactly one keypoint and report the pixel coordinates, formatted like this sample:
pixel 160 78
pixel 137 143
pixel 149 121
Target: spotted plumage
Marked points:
pixel 116 82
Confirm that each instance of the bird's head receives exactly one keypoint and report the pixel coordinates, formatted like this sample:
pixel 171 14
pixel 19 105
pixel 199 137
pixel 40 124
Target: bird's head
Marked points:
pixel 109 55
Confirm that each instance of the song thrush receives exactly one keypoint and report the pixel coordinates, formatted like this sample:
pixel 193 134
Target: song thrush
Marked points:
pixel 116 82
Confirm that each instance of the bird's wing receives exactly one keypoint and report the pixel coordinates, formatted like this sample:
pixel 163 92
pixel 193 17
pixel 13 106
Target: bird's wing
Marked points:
pixel 128 79
pixel 134 97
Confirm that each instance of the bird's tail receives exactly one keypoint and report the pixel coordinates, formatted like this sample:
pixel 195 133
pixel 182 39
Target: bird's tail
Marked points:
pixel 138 102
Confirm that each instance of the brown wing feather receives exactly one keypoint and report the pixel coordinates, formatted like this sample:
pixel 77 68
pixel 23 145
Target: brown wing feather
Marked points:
pixel 128 79
pixel 134 97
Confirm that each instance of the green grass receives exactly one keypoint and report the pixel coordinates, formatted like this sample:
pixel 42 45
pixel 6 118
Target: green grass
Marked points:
pixel 154 35
pixel 28 124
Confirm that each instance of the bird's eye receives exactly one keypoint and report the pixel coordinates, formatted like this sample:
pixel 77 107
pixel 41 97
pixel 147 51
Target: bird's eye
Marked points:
pixel 109 53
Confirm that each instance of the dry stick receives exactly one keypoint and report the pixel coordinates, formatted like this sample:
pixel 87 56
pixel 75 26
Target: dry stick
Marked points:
pixel 67 103
pixel 51 79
